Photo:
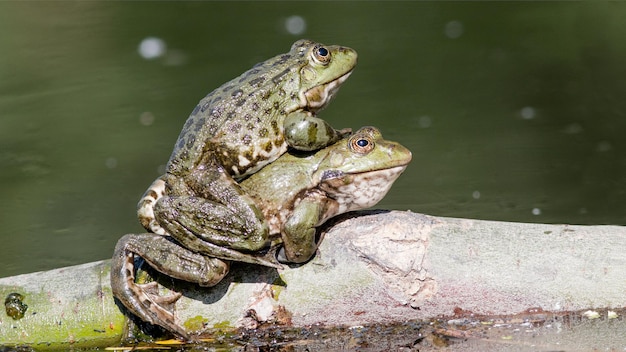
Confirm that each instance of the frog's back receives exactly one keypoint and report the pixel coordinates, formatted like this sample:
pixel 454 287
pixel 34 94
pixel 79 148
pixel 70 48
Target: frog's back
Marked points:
pixel 242 120
pixel 280 181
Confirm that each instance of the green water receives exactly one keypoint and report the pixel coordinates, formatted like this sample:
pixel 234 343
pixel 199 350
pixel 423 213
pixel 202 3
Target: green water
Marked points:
pixel 513 111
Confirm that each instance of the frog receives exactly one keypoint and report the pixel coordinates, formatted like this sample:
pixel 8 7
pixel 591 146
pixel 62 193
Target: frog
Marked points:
pixel 296 194
pixel 233 132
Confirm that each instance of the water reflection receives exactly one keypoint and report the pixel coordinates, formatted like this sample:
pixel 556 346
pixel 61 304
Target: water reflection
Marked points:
pixel 152 48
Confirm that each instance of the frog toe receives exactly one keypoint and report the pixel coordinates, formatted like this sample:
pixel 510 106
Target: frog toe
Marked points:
pixel 151 288
pixel 157 309
pixel 166 300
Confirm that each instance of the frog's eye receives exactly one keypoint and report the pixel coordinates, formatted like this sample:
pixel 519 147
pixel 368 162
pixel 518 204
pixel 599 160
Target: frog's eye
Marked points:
pixel 361 145
pixel 321 55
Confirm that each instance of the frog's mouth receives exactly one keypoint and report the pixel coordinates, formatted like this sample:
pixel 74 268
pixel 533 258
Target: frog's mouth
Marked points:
pixel 318 97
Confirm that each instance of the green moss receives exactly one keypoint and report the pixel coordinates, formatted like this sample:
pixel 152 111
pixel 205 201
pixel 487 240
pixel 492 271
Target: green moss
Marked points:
pixel 196 323
pixel 278 286
pixel 143 277
pixel 279 281
pixel 223 325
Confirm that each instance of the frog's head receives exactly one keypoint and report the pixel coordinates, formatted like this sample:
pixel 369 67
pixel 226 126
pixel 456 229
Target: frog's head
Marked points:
pixel 324 68
pixel 359 170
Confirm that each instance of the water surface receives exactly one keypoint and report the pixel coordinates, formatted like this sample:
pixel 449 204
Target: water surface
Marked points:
pixel 513 111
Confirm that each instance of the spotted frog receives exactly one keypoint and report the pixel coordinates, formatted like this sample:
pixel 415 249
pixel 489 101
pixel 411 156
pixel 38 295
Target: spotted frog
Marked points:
pixel 295 194
pixel 233 132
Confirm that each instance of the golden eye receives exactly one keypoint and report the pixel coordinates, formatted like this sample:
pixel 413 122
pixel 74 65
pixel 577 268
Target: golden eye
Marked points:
pixel 361 145
pixel 321 55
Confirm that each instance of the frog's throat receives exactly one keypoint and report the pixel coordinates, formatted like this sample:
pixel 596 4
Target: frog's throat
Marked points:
pixel 319 96
pixel 365 190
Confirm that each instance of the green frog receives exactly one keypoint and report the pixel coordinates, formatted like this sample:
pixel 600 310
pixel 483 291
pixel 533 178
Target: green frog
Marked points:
pixel 295 194
pixel 236 130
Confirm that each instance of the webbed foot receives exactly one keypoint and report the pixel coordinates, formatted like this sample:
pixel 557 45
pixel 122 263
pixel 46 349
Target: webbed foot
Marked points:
pixel 144 300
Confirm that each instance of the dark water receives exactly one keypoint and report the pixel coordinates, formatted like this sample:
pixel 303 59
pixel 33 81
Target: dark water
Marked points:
pixel 513 111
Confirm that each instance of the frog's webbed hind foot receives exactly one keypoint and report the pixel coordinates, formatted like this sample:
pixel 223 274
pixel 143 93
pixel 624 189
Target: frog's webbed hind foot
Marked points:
pixel 143 300
pixel 169 258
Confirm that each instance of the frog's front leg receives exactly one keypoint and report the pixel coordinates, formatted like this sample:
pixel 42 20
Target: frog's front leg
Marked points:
pixel 304 131
pixel 208 212
pixel 168 258
pixel 299 231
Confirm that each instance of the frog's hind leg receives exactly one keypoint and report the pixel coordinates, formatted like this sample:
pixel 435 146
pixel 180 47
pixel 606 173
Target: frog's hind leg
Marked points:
pixel 208 212
pixel 212 229
pixel 145 207
pixel 169 258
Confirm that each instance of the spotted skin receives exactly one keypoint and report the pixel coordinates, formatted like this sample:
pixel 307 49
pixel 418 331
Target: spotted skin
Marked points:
pixel 145 207
pixel 242 122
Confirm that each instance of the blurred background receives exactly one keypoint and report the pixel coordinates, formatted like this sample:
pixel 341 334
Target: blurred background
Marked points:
pixel 513 111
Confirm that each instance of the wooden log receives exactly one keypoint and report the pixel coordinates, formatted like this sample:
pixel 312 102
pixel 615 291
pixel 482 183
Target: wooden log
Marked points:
pixel 67 307
pixel 376 267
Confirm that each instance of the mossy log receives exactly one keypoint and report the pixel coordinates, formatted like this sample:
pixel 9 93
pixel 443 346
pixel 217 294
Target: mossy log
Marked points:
pixel 374 267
